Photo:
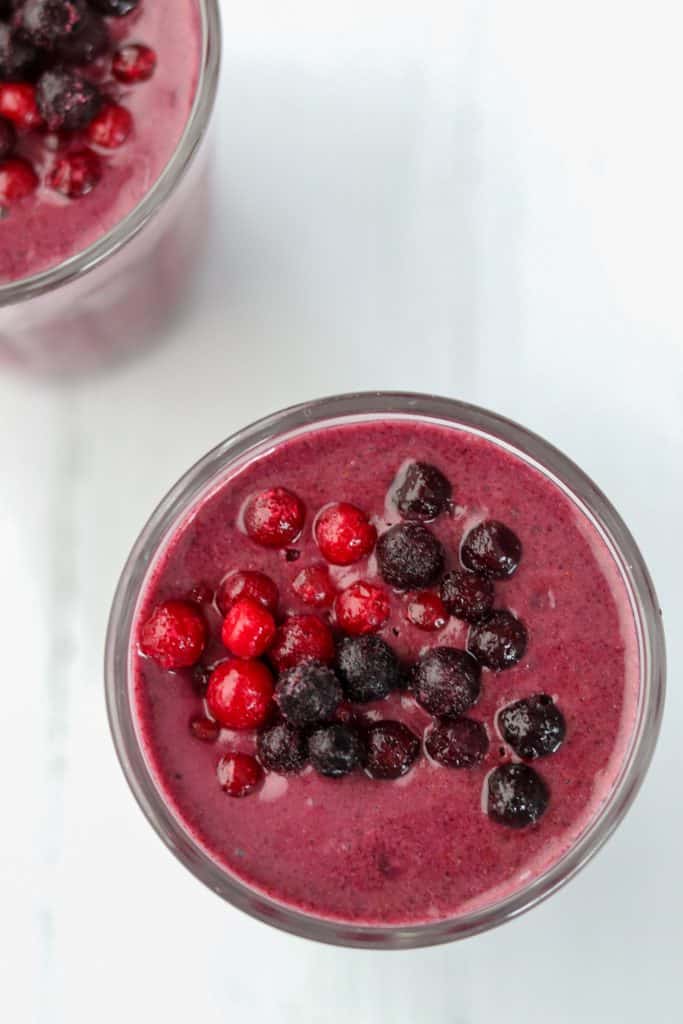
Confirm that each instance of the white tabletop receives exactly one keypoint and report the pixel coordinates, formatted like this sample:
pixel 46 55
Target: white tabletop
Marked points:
pixel 481 199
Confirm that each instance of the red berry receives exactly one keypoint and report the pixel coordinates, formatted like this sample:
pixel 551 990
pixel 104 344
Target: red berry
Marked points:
pixel 76 173
pixel 274 518
pixel 17 180
pixel 111 127
pixel 248 628
pixel 247 583
pixel 174 635
pixel 301 638
pixel 238 774
pixel 133 63
pixel 344 534
pixel 18 105
pixel 314 586
pixel 362 608
pixel 239 694
pixel 204 729
pixel 427 610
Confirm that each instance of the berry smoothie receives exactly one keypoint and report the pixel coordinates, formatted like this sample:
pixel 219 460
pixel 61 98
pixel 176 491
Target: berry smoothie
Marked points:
pixel 94 98
pixel 385 673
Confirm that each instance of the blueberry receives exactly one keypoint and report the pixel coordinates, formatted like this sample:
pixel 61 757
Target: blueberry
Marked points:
pixel 446 681
pixel 66 100
pixel 367 667
pixel 282 748
pixel 409 556
pixel 49 23
pixel 8 138
pixel 114 8
pixel 491 549
pixel 86 45
pixel 391 749
pixel 533 727
pixel 335 750
pixel 423 493
pixel 457 742
pixel 18 59
pixel 499 641
pixel 517 795
pixel 308 692
pixel 467 595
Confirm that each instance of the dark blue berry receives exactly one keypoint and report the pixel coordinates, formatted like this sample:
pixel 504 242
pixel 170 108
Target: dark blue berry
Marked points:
pixel 409 556
pixel 499 641
pixel 49 23
pixel 391 749
pixel 66 100
pixel 467 595
pixel 517 795
pixel 492 549
pixel 114 8
pixel 86 45
pixel 335 750
pixel 422 493
pixel 307 693
pixel 446 681
pixel 533 727
pixel 457 742
pixel 8 138
pixel 18 59
pixel 282 748
pixel 367 667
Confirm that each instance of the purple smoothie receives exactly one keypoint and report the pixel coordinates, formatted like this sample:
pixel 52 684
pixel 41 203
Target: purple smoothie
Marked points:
pixel 420 848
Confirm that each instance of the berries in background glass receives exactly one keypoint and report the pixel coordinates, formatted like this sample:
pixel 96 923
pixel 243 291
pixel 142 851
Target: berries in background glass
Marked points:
pixel 282 748
pixel 18 59
pixel 409 556
pixel 344 534
pixel 533 727
pixel 18 104
pixel 362 608
pixel 114 8
pixel 368 668
pixel 499 642
pixel 204 729
pixel 516 795
pixel 111 127
pixel 467 595
pixel 239 774
pixel 248 628
pixel 313 586
pixel 457 742
pixel 446 681
pixel 422 492
pixel 66 100
pixel 391 749
pixel 308 693
pixel 133 63
pixel 17 180
pixel 239 694
pixel 426 610
pixel 301 638
pixel 335 750
pixel 491 549
pixel 76 173
pixel 274 518
pixel 247 583
pixel 8 138
pixel 174 635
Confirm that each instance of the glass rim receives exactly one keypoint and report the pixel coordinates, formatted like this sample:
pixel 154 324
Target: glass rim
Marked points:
pixel 362 405
pixel 163 188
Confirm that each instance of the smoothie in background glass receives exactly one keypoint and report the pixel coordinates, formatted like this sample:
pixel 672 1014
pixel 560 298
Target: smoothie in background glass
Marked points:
pixel 390 675
pixel 103 104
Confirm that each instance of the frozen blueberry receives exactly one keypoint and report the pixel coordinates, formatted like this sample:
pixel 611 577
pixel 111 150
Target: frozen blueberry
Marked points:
pixel 66 100
pixel 517 795
pixel 499 641
pixel 457 742
pixel 335 749
pixel 446 681
pixel 492 549
pixel 48 24
pixel 86 45
pixel 533 727
pixel 409 556
pixel 114 8
pixel 308 692
pixel 282 748
pixel 467 595
pixel 18 59
pixel 423 492
pixel 391 749
pixel 367 667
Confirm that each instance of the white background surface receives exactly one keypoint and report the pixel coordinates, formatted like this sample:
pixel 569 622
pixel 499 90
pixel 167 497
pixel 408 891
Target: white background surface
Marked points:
pixel 481 199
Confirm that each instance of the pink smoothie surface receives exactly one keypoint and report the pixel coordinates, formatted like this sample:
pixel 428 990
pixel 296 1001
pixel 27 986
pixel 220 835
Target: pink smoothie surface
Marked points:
pixel 420 848
pixel 46 228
